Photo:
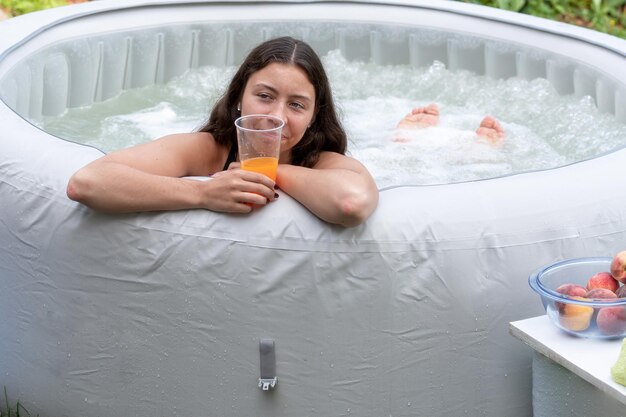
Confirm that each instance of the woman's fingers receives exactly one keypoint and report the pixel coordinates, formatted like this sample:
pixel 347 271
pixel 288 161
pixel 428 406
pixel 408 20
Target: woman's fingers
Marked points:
pixel 246 175
pixel 237 190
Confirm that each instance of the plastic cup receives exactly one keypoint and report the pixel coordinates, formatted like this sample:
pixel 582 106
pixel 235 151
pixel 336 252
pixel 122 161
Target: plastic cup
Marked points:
pixel 258 137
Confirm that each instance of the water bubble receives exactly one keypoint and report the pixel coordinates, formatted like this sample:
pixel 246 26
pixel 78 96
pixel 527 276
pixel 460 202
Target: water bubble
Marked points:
pixel 544 129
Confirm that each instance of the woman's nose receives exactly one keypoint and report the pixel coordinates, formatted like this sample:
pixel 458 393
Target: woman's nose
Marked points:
pixel 279 111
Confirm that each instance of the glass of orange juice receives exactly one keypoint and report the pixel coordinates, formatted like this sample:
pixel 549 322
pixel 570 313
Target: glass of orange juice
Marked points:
pixel 258 137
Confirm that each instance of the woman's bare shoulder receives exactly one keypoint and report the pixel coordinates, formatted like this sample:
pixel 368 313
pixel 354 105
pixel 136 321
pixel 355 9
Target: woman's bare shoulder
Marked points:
pixel 334 160
pixel 178 154
pixel 199 151
pixel 200 139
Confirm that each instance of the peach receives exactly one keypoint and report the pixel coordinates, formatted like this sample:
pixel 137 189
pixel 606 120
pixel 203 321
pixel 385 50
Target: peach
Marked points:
pixel 603 280
pixel 575 317
pixel 618 267
pixel 600 293
pixel 570 290
pixel 621 292
pixel 611 320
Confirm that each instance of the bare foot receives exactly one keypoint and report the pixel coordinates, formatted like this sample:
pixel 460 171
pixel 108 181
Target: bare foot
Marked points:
pixel 420 117
pixel 491 130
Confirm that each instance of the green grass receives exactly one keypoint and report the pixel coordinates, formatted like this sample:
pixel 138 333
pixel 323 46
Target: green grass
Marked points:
pixel 18 7
pixel 608 16
pixel 8 411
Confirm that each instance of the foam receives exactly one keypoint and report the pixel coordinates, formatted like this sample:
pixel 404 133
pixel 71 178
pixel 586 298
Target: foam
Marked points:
pixel 544 129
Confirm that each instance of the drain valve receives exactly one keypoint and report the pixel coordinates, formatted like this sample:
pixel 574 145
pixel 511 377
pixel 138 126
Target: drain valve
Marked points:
pixel 268 364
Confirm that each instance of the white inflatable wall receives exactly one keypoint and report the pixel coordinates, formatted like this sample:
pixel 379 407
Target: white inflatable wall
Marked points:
pixel 162 313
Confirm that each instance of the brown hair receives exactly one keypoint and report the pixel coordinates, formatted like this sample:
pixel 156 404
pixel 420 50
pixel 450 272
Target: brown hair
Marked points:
pixel 325 132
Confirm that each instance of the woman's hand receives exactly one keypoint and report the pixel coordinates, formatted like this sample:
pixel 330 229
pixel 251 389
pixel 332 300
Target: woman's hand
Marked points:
pixel 236 190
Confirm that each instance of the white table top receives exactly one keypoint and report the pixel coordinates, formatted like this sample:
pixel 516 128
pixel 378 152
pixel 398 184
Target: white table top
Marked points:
pixel 590 359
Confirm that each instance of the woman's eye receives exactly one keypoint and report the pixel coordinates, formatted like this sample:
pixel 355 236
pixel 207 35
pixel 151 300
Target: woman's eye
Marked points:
pixel 264 96
pixel 298 106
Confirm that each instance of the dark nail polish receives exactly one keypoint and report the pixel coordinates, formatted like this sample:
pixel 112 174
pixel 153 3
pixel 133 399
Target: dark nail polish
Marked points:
pixel 276 195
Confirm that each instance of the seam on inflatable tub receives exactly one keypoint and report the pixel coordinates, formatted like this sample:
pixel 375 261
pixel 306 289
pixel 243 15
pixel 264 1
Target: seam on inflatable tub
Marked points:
pixel 32 185
pixel 149 221
pixel 334 243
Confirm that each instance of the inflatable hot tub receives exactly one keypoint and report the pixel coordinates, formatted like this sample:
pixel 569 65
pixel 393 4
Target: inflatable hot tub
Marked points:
pixel 181 313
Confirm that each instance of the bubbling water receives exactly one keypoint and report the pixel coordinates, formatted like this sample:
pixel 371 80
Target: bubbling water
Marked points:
pixel 543 129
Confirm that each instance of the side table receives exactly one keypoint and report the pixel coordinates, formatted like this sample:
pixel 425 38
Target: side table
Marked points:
pixel 571 375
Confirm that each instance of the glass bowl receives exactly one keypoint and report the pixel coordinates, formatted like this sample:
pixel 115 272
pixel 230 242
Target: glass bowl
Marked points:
pixel 576 314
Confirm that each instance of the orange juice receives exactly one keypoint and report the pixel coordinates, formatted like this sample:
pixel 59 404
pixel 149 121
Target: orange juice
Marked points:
pixel 263 165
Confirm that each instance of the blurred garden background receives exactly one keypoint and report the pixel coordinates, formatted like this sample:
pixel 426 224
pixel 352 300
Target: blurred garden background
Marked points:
pixel 10 8
pixel 607 16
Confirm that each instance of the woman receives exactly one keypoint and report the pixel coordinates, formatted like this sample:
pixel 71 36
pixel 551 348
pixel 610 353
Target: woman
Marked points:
pixel 282 77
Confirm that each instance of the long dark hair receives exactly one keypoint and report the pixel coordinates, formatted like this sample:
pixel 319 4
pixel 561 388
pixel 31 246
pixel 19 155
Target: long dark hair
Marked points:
pixel 325 132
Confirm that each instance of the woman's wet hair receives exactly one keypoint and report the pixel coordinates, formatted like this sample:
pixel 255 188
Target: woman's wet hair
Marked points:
pixel 325 132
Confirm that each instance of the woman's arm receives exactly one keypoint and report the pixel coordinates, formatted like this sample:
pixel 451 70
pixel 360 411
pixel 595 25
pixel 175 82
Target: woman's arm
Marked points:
pixel 147 178
pixel 338 189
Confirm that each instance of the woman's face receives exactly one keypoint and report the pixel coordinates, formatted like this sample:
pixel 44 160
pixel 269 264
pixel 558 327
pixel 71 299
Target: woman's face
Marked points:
pixel 284 91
